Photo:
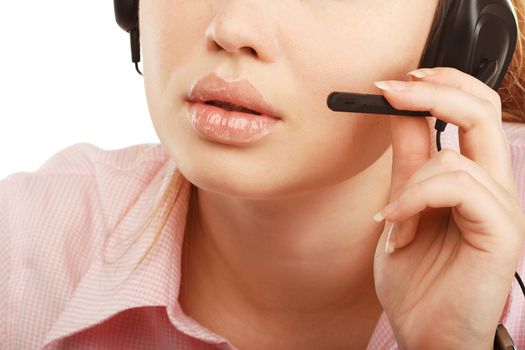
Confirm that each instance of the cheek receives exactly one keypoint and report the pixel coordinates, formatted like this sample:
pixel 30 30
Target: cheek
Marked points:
pixel 385 44
pixel 171 35
pixel 346 145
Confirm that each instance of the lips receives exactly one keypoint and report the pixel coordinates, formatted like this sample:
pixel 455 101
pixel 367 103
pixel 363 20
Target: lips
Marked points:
pixel 237 96
pixel 230 107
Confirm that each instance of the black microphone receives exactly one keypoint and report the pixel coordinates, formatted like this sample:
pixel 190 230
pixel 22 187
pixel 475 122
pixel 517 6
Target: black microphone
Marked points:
pixel 366 103
pixel 378 104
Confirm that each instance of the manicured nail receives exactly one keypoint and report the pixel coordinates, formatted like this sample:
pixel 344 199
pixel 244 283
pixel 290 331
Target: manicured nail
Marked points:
pixel 421 73
pixel 390 208
pixel 391 237
pixel 382 85
pixel 392 85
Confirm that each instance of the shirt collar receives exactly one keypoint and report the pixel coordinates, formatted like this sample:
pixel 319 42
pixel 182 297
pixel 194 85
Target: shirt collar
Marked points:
pixel 155 282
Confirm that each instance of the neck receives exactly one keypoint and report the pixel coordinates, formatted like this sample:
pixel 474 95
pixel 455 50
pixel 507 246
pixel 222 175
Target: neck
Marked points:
pixel 280 262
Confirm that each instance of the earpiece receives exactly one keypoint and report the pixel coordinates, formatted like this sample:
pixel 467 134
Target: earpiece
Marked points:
pixel 126 15
pixel 472 34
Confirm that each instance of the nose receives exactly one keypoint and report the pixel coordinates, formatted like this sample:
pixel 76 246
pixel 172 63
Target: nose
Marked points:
pixel 243 26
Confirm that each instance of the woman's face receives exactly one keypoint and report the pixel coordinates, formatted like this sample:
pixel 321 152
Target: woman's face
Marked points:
pixel 294 53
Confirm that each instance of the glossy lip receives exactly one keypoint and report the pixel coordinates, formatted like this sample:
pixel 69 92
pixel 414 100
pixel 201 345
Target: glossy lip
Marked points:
pixel 241 93
pixel 229 127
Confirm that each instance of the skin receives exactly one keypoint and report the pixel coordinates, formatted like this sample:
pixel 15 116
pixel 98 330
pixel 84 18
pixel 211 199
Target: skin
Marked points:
pixel 283 245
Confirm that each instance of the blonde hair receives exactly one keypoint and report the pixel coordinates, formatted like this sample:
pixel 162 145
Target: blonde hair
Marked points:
pixel 168 198
pixel 511 91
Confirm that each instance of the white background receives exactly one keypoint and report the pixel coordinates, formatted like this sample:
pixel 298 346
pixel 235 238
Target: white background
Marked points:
pixel 66 77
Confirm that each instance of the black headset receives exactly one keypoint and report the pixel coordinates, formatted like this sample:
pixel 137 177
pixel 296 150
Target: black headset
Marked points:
pixel 477 37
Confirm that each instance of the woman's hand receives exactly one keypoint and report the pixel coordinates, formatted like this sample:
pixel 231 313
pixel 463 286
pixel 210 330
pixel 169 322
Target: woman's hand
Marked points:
pixel 460 226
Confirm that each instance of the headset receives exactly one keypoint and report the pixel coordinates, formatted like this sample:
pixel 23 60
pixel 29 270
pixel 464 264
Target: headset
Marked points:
pixel 477 37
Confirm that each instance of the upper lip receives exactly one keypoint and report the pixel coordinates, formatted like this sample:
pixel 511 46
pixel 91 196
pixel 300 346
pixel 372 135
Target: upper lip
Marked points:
pixel 241 93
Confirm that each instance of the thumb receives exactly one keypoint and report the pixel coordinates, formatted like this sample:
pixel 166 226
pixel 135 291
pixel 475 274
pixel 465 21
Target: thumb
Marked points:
pixel 410 149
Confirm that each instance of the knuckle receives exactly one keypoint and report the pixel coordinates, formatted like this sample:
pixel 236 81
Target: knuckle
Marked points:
pixel 410 191
pixel 448 158
pixel 434 91
pixel 496 99
pixel 463 178
pixel 449 70
pixel 491 112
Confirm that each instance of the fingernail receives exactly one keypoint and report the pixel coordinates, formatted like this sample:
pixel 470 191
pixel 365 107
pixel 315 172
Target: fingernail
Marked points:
pixel 389 209
pixel 392 85
pixel 421 73
pixel 391 239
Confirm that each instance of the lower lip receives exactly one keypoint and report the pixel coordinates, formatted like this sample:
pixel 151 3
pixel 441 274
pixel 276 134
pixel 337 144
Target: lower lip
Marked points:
pixel 230 127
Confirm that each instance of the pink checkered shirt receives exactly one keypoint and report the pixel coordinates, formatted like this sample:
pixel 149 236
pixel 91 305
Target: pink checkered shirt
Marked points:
pixel 57 291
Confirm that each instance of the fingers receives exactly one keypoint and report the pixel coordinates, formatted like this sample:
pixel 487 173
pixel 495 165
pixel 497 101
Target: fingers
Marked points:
pixel 405 232
pixel 478 183
pixel 409 153
pixel 484 223
pixel 481 134
pixel 452 77
pixel 450 161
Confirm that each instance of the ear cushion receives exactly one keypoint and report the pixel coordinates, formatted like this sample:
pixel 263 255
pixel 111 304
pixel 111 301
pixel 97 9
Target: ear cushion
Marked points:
pixel 472 32
pixel 126 14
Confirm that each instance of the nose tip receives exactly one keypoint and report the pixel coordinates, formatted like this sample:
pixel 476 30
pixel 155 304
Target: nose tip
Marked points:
pixel 227 42
pixel 235 30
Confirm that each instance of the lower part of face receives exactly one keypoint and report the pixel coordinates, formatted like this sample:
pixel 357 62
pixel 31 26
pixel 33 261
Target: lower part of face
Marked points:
pixel 294 53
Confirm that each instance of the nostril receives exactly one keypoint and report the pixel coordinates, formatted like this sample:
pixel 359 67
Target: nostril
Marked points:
pixel 250 49
pixel 214 46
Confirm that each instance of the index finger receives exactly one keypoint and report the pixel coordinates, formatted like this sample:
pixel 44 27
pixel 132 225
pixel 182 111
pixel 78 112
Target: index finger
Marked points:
pixel 454 77
pixel 481 135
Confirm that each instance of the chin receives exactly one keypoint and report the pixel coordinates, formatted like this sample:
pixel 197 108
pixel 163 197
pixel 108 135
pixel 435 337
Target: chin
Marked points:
pixel 238 186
